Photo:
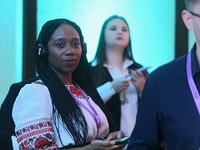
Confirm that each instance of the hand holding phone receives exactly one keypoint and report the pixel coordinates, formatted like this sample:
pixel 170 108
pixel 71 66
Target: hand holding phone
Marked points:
pixel 121 140
pixel 144 68
pixel 140 69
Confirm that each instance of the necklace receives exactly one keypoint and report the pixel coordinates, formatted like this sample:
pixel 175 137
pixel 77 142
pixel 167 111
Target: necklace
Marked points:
pixel 93 113
pixel 124 99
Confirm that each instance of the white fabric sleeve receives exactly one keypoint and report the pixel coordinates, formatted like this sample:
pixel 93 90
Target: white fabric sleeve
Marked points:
pixel 32 112
pixel 14 142
pixel 106 91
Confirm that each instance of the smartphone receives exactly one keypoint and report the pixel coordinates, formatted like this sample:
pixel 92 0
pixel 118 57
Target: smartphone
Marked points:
pixel 140 69
pixel 121 140
pixel 144 68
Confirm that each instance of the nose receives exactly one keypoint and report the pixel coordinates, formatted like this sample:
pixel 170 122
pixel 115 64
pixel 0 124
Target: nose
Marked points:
pixel 119 31
pixel 69 50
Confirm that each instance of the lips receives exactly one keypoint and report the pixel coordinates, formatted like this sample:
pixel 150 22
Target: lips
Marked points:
pixel 70 61
pixel 119 38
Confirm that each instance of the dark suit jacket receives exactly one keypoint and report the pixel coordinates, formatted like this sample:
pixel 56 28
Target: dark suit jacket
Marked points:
pixel 7 125
pixel 114 104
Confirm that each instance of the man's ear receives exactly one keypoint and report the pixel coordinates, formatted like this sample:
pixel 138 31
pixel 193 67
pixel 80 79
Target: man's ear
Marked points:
pixel 187 19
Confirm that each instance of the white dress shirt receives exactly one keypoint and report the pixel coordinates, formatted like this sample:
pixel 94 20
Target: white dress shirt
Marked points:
pixel 129 97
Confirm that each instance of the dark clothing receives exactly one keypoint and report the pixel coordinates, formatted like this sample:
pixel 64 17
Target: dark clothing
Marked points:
pixel 7 126
pixel 167 109
pixel 114 104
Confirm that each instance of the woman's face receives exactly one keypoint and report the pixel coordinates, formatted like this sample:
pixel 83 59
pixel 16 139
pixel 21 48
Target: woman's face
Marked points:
pixel 117 33
pixel 64 50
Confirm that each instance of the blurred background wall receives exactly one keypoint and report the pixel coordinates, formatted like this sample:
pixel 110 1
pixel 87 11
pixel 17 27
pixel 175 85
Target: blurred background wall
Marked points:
pixel 10 44
pixel 152 25
pixel 157 31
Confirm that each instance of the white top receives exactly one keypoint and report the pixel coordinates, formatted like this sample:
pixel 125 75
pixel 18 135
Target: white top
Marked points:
pixel 32 115
pixel 129 98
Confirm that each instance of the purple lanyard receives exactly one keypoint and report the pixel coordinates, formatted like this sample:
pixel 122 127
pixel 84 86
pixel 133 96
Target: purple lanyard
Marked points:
pixel 192 85
pixel 94 115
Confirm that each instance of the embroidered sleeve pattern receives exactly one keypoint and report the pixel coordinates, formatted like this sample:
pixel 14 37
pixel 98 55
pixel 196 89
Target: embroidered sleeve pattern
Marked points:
pixel 76 92
pixel 36 136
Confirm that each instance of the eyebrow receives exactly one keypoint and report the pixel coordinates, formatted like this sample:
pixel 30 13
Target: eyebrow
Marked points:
pixel 124 27
pixel 76 39
pixel 63 39
pixel 116 26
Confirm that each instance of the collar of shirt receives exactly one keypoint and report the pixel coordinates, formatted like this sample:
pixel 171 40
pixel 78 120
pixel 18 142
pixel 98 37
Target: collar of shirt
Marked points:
pixel 194 62
pixel 115 72
pixel 126 64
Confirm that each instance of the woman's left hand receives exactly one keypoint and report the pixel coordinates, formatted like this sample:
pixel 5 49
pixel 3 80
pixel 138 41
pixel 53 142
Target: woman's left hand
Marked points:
pixel 138 79
pixel 116 135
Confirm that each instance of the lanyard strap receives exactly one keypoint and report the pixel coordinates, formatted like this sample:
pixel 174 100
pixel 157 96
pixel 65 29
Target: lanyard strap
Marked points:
pixel 192 85
pixel 94 115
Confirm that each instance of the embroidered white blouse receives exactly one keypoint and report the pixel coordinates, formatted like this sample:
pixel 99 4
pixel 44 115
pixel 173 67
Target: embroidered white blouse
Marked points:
pixel 32 115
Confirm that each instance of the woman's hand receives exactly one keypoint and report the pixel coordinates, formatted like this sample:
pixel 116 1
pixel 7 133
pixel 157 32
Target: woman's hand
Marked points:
pixel 120 84
pixel 99 145
pixel 138 79
pixel 115 135
pixel 104 145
